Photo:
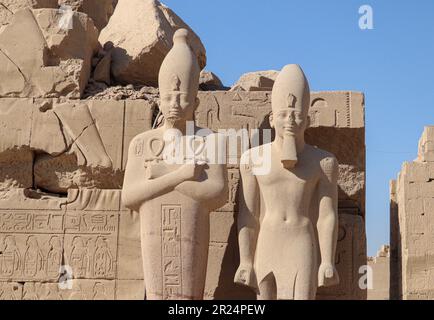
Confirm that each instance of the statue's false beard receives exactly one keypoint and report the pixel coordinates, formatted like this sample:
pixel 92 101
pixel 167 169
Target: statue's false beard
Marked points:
pixel 171 121
pixel 289 152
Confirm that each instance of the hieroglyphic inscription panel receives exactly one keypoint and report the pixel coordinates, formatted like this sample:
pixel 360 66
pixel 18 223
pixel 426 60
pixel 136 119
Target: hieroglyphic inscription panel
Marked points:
pixel 172 263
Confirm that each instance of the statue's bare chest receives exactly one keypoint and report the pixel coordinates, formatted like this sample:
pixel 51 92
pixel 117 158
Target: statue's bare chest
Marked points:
pixel 303 175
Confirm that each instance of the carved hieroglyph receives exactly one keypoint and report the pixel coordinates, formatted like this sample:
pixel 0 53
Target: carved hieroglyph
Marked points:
pixel 174 200
pixel 294 205
pixel 83 235
pixel 412 203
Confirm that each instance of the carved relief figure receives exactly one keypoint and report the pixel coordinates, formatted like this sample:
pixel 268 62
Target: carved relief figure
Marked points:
pixel 77 293
pixel 33 258
pixel 30 291
pixel 8 292
pixel 10 258
pixel 79 260
pixel 288 218
pixel 174 199
pixel 52 292
pixel 54 257
pixel 103 259
pixel 99 292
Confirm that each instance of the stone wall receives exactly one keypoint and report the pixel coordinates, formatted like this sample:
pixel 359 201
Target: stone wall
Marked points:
pixel 62 172
pixel 380 268
pixel 412 228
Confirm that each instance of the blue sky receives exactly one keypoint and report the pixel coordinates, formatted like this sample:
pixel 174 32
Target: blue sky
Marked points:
pixel 393 64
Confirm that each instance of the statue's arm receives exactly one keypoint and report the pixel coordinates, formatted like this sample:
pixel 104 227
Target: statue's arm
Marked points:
pixel 327 224
pixel 214 186
pixel 138 189
pixel 248 226
pixel 328 209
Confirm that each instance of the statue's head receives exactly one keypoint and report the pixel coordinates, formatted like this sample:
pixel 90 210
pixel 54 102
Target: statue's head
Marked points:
pixel 290 102
pixel 179 80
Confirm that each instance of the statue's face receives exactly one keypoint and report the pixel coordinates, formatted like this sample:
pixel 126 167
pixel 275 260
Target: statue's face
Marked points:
pixel 289 122
pixel 177 106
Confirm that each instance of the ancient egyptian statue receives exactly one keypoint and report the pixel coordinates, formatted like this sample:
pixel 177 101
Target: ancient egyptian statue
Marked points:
pixel 174 198
pixel 287 220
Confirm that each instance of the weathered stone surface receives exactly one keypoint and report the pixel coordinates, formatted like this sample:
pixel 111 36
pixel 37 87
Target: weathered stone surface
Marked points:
pixel 395 284
pixel 103 69
pixel 208 81
pixel 130 252
pixel 9 7
pixel 142 32
pixel 350 257
pixel 138 117
pixel 412 205
pixel 426 145
pixel 256 81
pixel 99 10
pixel 129 290
pixel 74 163
pixel 380 267
pixel 42 60
pixel 11 291
pixel 16 158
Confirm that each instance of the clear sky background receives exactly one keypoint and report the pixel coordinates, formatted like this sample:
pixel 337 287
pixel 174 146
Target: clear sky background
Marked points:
pixel 393 64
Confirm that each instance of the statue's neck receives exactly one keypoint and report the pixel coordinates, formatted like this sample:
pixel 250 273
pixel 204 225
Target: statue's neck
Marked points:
pixel 299 143
pixel 180 125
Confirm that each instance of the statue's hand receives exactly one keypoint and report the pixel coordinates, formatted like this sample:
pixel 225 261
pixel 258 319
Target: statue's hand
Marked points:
pixel 246 276
pixel 327 275
pixel 191 171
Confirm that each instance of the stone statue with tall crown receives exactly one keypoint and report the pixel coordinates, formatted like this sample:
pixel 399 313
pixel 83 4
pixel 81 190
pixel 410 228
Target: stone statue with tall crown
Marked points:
pixel 288 220
pixel 175 198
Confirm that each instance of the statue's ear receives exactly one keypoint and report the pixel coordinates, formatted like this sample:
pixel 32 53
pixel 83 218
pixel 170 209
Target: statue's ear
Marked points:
pixel 271 119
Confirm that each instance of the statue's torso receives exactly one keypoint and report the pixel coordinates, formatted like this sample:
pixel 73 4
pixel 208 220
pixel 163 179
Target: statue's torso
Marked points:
pixel 174 229
pixel 287 194
pixel 287 246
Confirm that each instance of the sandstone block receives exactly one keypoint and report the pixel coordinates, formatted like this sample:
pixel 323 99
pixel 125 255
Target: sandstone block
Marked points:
pixel 208 81
pixel 380 266
pixel 130 290
pixel 99 10
pixel 41 59
pixel 256 81
pixel 141 32
pixel 350 257
pixel 426 145
pixel 9 7
pixel 130 266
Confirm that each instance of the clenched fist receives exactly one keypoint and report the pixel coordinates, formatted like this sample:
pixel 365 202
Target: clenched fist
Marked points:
pixel 246 276
pixel 327 275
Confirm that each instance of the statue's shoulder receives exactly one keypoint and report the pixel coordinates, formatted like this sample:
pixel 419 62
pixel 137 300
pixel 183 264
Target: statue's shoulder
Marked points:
pixel 254 156
pixel 146 135
pixel 326 160
pixel 252 152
